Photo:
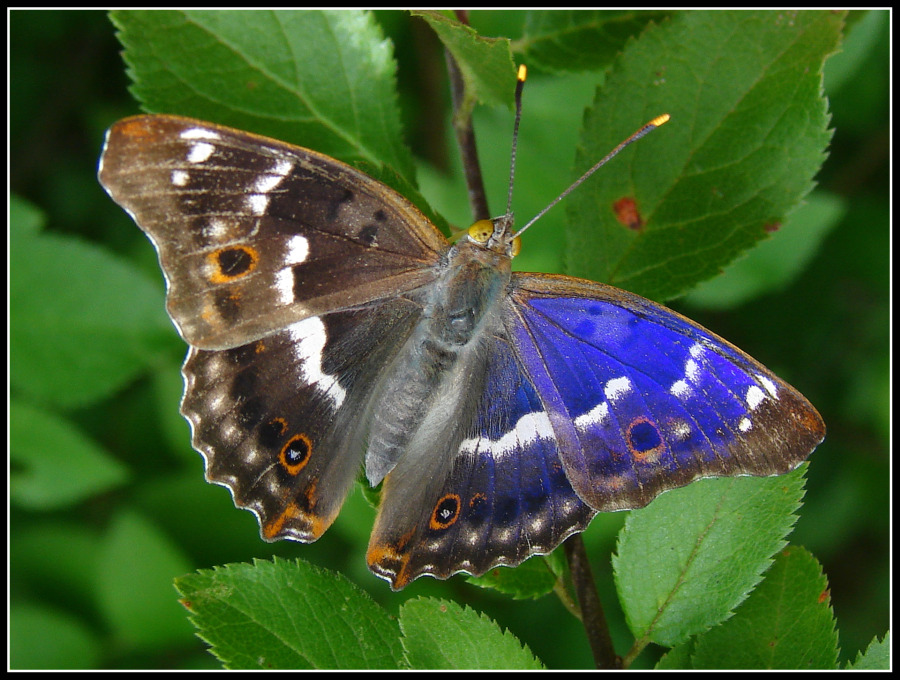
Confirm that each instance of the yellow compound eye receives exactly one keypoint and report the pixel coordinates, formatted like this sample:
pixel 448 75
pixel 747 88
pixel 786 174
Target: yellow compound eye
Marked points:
pixel 516 247
pixel 481 231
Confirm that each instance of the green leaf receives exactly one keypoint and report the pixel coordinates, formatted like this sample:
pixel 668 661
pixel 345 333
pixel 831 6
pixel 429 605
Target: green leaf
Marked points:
pixel 876 658
pixel 68 573
pixel 70 645
pixel 677 658
pixel 748 132
pixel 134 586
pixel 577 39
pixel 288 615
pixel 775 263
pixel 486 64
pixel 53 465
pixel 323 79
pixel 688 559
pixel 786 623
pixel 28 219
pixel 87 321
pixel 862 37
pixel 442 635
pixel 532 579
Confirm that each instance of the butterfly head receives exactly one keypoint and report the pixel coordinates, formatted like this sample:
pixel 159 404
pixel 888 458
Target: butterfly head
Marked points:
pixel 496 235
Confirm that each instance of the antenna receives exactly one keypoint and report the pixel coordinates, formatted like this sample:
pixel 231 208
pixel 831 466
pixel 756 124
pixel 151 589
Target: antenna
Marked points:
pixel 520 83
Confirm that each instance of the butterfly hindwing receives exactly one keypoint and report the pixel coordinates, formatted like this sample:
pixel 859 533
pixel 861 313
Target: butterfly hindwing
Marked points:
pixel 643 400
pixel 498 492
pixel 277 419
pixel 254 234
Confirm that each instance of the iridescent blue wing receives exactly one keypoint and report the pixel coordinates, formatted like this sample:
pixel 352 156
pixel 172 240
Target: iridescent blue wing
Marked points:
pixel 588 398
pixel 491 492
pixel 642 400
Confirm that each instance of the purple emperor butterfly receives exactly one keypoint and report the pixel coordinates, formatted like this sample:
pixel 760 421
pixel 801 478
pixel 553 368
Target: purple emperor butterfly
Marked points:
pixel 330 323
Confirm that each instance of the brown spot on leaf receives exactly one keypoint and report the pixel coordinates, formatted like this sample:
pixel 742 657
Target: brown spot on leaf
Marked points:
pixel 627 213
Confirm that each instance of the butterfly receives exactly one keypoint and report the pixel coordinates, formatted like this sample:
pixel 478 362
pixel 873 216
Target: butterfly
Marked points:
pixel 331 325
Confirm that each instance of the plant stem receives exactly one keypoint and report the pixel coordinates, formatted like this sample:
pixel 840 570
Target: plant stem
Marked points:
pixel 592 617
pixel 465 138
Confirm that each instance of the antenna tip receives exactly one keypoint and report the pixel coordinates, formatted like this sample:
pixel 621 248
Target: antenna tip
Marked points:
pixel 522 74
pixel 659 120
